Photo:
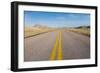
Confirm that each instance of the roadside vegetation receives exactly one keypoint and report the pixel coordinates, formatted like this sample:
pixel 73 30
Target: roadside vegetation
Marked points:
pixel 40 29
pixel 85 30
pixel 32 31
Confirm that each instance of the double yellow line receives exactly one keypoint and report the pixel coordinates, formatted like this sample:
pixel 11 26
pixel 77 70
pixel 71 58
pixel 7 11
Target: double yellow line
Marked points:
pixel 57 50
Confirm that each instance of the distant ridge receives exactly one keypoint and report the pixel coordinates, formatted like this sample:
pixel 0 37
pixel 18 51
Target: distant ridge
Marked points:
pixel 40 26
pixel 83 27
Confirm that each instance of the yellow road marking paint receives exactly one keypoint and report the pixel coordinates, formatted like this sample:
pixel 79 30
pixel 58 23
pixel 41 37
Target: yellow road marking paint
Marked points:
pixel 57 48
pixel 60 47
pixel 53 53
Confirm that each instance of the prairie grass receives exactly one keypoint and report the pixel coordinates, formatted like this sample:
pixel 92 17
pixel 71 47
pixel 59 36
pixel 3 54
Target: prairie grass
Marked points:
pixel 31 31
pixel 84 31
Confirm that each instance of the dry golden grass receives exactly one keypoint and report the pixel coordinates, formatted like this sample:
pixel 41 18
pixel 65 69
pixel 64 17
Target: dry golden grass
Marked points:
pixel 84 31
pixel 31 31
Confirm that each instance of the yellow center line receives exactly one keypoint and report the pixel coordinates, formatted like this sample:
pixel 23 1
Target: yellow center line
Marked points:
pixel 60 47
pixel 57 48
pixel 53 53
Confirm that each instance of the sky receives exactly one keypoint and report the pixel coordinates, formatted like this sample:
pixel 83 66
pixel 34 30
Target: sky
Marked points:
pixel 56 19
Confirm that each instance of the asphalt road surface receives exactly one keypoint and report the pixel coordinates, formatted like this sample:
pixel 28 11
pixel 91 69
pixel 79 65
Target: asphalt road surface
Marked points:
pixel 57 45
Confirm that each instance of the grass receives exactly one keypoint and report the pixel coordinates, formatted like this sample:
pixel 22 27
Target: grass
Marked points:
pixel 31 31
pixel 84 31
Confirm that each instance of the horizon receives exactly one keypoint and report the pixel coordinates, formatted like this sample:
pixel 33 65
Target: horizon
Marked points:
pixel 56 19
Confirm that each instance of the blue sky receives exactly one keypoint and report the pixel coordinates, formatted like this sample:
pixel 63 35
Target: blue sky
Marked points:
pixel 56 19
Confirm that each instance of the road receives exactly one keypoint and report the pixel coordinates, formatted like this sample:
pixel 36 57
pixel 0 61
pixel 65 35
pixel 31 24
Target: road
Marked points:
pixel 57 45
